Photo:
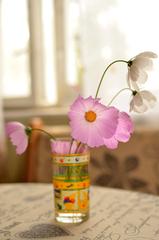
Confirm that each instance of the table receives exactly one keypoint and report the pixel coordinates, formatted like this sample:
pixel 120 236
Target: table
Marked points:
pixel 26 212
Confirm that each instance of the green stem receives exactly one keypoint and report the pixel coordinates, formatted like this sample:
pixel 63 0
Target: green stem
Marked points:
pixel 41 130
pixel 118 94
pixel 120 60
pixel 71 142
pixel 78 146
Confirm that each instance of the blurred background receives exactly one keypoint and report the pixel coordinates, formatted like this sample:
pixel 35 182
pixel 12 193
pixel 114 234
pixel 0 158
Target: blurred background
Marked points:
pixel 53 50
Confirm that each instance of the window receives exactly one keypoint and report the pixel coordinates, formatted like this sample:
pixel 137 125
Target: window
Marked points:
pixel 53 50
pixel 15 49
pixel 34 66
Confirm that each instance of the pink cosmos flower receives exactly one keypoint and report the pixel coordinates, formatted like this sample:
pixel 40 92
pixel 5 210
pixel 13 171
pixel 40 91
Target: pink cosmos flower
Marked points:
pixel 65 147
pixel 17 133
pixel 94 124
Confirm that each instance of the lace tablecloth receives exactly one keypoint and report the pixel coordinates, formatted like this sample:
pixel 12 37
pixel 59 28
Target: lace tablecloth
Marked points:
pixel 26 212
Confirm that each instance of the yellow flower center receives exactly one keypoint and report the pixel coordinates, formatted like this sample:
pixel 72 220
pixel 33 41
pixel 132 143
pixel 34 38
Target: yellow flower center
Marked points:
pixel 90 116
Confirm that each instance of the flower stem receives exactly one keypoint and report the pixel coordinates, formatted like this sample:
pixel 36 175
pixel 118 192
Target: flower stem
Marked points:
pixel 118 94
pixel 71 143
pixel 78 146
pixel 99 85
pixel 41 130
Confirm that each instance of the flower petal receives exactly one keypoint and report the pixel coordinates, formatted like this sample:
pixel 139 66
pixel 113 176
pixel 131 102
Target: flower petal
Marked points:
pixel 110 143
pixel 64 146
pixel 140 109
pixel 131 105
pixel 108 122
pixel 87 135
pixel 134 72
pixel 148 96
pixel 22 146
pixel 143 63
pixel 147 54
pixel 20 140
pixel 149 99
pixel 17 135
pixel 142 77
pixel 138 99
pixel 92 133
pixel 135 86
pixel 125 127
pixel 13 126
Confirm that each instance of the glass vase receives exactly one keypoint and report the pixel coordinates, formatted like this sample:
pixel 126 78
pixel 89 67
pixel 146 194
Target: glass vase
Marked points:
pixel 71 187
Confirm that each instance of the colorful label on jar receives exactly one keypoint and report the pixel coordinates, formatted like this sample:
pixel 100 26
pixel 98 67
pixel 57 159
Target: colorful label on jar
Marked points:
pixel 71 183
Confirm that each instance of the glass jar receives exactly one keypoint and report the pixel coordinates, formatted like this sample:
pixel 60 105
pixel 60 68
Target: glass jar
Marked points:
pixel 71 187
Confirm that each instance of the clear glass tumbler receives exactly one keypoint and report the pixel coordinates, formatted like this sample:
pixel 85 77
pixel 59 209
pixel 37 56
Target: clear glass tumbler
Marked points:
pixel 71 187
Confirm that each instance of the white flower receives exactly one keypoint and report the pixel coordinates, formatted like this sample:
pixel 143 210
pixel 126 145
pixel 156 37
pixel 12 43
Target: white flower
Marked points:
pixel 138 67
pixel 142 101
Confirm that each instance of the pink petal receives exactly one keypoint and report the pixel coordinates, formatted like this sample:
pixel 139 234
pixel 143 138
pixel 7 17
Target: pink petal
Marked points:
pixel 17 136
pixel 108 122
pixel 22 146
pixel 81 104
pixel 90 103
pixel 125 127
pixel 13 126
pixel 66 147
pixel 87 135
pixel 60 147
pixel 94 137
pixel 111 143
pixel 20 140
pixel 77 105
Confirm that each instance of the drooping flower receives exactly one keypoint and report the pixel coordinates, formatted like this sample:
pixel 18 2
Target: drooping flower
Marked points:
pixel 138 67
pixel 66 147
pixel 94 124
pixel 18 135
pixel 142 101
pixel 123 131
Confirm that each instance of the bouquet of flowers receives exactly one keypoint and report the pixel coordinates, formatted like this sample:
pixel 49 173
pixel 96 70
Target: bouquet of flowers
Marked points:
pixel 92 123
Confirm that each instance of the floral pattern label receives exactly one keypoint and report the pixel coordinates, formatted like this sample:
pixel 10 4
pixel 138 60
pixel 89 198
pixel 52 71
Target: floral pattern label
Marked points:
pixel 71 183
